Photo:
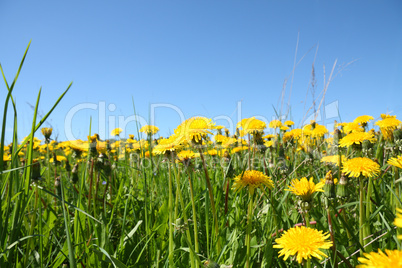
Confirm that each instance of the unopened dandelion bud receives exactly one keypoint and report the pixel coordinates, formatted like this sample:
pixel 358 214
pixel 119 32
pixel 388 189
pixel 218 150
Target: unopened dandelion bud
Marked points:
pixel 397 135
pixel 329 187
pixel 226 132
pixel 47 132
pixel 74 174
pixel 313 124
pixel 367 145
pixel 342 187
pixel 35 170
pixel 68 166
pixel 281 152
pixel 337 136
pixel 211 264
pixel 107 168
pixel 305 206
pixel 57 185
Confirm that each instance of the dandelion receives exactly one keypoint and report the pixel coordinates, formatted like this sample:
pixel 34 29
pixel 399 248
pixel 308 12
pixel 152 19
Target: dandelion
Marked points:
pixel 363 119
pixel 305 188
pixel 352 127
pixel 47 132
pixel 398 220
pixel 168 145
pixel 396 161
pixel 356 138
pixel 116 132
pixel 59 158
pixel 252 125
pixel 195 128
pixel 387 126
pixel 289 123
pixel 275 124
pixel 304 242
pixel 292 135
pixel 149 129
pixel 361 166
pixel 252 179
pixel 333 159
pixel 389 258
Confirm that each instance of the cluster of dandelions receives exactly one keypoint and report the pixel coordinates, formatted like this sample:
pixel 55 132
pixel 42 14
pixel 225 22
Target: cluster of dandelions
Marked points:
pixel 347 151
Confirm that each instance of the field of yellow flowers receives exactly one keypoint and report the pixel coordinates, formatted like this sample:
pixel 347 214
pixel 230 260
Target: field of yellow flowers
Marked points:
pixel 204 197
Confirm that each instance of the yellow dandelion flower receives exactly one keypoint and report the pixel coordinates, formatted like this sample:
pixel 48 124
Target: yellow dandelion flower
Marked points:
pixel 319 131
pixel 6 158
pixel 387 126
pixel 252 179
pixel 102 146
pixel 269 136
pixel 275 124
pixel 238 149
pixel 59 158
pixel 304 242
pixel 363 119
pixel 269 143
pixel 195 128
pixel 228 142
pixel 116 132
pixel 185 155
pixel 333 159
pixel 305 188
pixel 361 166
pixel 396 161
pixel 170 144
pixel 383 116
pixel 356 138
pixel 284 128
pixel 387 259
pixel 289 123
pixel 252 125
pixel 47 132
pixel 293 134
pixel 398 220
pixel 220 138
pixel 149 129
pixel 352 127
pixel 79 146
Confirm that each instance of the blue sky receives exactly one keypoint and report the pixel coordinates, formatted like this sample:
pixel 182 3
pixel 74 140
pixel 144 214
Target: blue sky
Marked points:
pixel 220 59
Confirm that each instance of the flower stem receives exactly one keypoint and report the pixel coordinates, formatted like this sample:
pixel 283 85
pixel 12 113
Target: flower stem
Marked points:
pixel 211 198
pixel 248 230
pixel 361 211
pixel 170 204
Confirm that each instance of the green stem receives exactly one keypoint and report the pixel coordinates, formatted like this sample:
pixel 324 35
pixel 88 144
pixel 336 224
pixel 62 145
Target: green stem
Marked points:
pixel 211 198
pixel 248 230
pixel 361 211
pixel 180 197
pixel 171 245
pixel 194 212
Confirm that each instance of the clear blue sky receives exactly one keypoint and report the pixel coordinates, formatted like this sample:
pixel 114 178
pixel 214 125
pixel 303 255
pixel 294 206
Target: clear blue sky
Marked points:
pixel 199 57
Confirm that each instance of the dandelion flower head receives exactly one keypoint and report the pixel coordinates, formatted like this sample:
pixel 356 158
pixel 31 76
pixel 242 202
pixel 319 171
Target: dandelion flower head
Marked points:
pixel 149 129
pixel 252 179
pixel 361 166
pixel 116 132
pixel 252 125
pixel 304 242
pixel 387 259
pixel 356 138
pixel 396 161
pixel 305 188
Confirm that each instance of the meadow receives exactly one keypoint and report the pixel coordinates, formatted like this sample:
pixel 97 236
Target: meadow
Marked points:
pixel 203 197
